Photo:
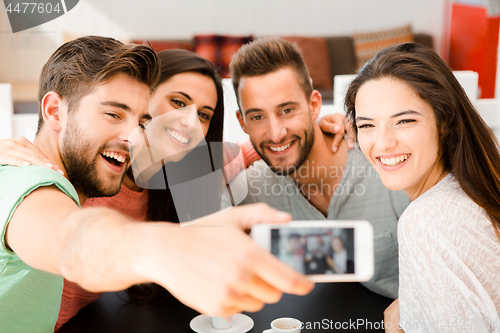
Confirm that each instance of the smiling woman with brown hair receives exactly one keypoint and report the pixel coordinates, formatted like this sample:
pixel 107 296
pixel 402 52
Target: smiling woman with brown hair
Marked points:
pixel 417 127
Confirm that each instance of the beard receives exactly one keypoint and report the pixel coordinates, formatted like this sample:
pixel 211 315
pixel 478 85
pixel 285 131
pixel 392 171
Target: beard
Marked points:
pixel 304 147
pixel 81 168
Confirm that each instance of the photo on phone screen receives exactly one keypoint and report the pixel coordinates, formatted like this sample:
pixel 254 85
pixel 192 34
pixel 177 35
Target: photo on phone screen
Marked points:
pixel 315 250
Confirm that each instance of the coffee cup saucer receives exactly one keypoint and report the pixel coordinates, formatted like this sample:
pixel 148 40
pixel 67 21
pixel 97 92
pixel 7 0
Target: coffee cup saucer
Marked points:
pixel 203 324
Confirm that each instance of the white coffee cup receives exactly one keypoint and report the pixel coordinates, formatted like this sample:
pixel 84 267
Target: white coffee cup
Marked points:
pixel 282 325
pixel 220 323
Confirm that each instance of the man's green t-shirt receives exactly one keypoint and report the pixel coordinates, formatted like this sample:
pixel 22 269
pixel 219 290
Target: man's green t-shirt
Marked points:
pixel 29 298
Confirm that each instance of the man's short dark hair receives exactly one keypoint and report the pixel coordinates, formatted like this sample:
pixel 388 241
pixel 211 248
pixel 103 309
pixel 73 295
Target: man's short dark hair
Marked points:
pixel 267 55
pixel 77 66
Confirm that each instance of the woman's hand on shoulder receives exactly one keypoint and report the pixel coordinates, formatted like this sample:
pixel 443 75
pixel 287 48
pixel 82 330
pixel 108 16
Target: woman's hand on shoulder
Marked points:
pixel 21 152
pixel 338 124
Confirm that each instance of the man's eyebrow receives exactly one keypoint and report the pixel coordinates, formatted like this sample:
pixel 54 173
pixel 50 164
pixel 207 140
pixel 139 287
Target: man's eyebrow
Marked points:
pixel 282 105
pixel 412 112
pixel 146 116
pixel 252 110
pixel 117 105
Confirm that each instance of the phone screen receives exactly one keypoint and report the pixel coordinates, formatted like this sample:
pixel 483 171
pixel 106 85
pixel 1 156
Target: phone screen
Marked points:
pixel 315 250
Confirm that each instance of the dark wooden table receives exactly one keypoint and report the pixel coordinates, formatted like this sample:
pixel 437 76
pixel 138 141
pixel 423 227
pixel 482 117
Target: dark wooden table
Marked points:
pixel 332 307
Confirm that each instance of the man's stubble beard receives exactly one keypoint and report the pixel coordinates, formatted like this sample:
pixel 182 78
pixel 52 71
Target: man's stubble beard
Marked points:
pixel 304 150
pixel 82 172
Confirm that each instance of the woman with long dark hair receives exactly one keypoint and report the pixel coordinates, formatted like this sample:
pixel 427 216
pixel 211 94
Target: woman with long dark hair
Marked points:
pixel 419 130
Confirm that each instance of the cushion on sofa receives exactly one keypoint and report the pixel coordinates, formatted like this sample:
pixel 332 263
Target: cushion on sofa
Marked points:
pixel 161 45
pixel 317 58
pixel 219 49
pixel 367 45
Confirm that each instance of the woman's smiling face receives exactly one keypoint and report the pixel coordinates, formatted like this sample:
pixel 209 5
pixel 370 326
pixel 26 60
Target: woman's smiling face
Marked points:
pixel 182 108
pixel 397 132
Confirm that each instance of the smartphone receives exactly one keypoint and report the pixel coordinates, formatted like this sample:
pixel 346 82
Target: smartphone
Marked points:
pixel 325 251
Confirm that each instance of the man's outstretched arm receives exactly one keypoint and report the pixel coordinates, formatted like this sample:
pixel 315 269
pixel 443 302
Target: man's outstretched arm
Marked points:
pixel 211 266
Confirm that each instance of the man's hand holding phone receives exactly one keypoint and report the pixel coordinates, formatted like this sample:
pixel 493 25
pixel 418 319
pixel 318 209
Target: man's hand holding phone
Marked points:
pixel 325 251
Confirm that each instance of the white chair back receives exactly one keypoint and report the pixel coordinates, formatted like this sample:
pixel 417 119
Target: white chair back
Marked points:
pixel 6 111
pixel 25 125
pixel 340 85
pixel 232 129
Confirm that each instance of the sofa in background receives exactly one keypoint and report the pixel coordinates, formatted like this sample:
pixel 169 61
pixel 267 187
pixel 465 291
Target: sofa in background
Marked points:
pixel 343 57
pixel 324 56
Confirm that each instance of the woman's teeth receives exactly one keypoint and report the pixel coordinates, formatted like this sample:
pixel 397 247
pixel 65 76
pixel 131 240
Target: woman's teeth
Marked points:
pixel 177 136
pixel 281 148
pixel 394 160
pixel 117 157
